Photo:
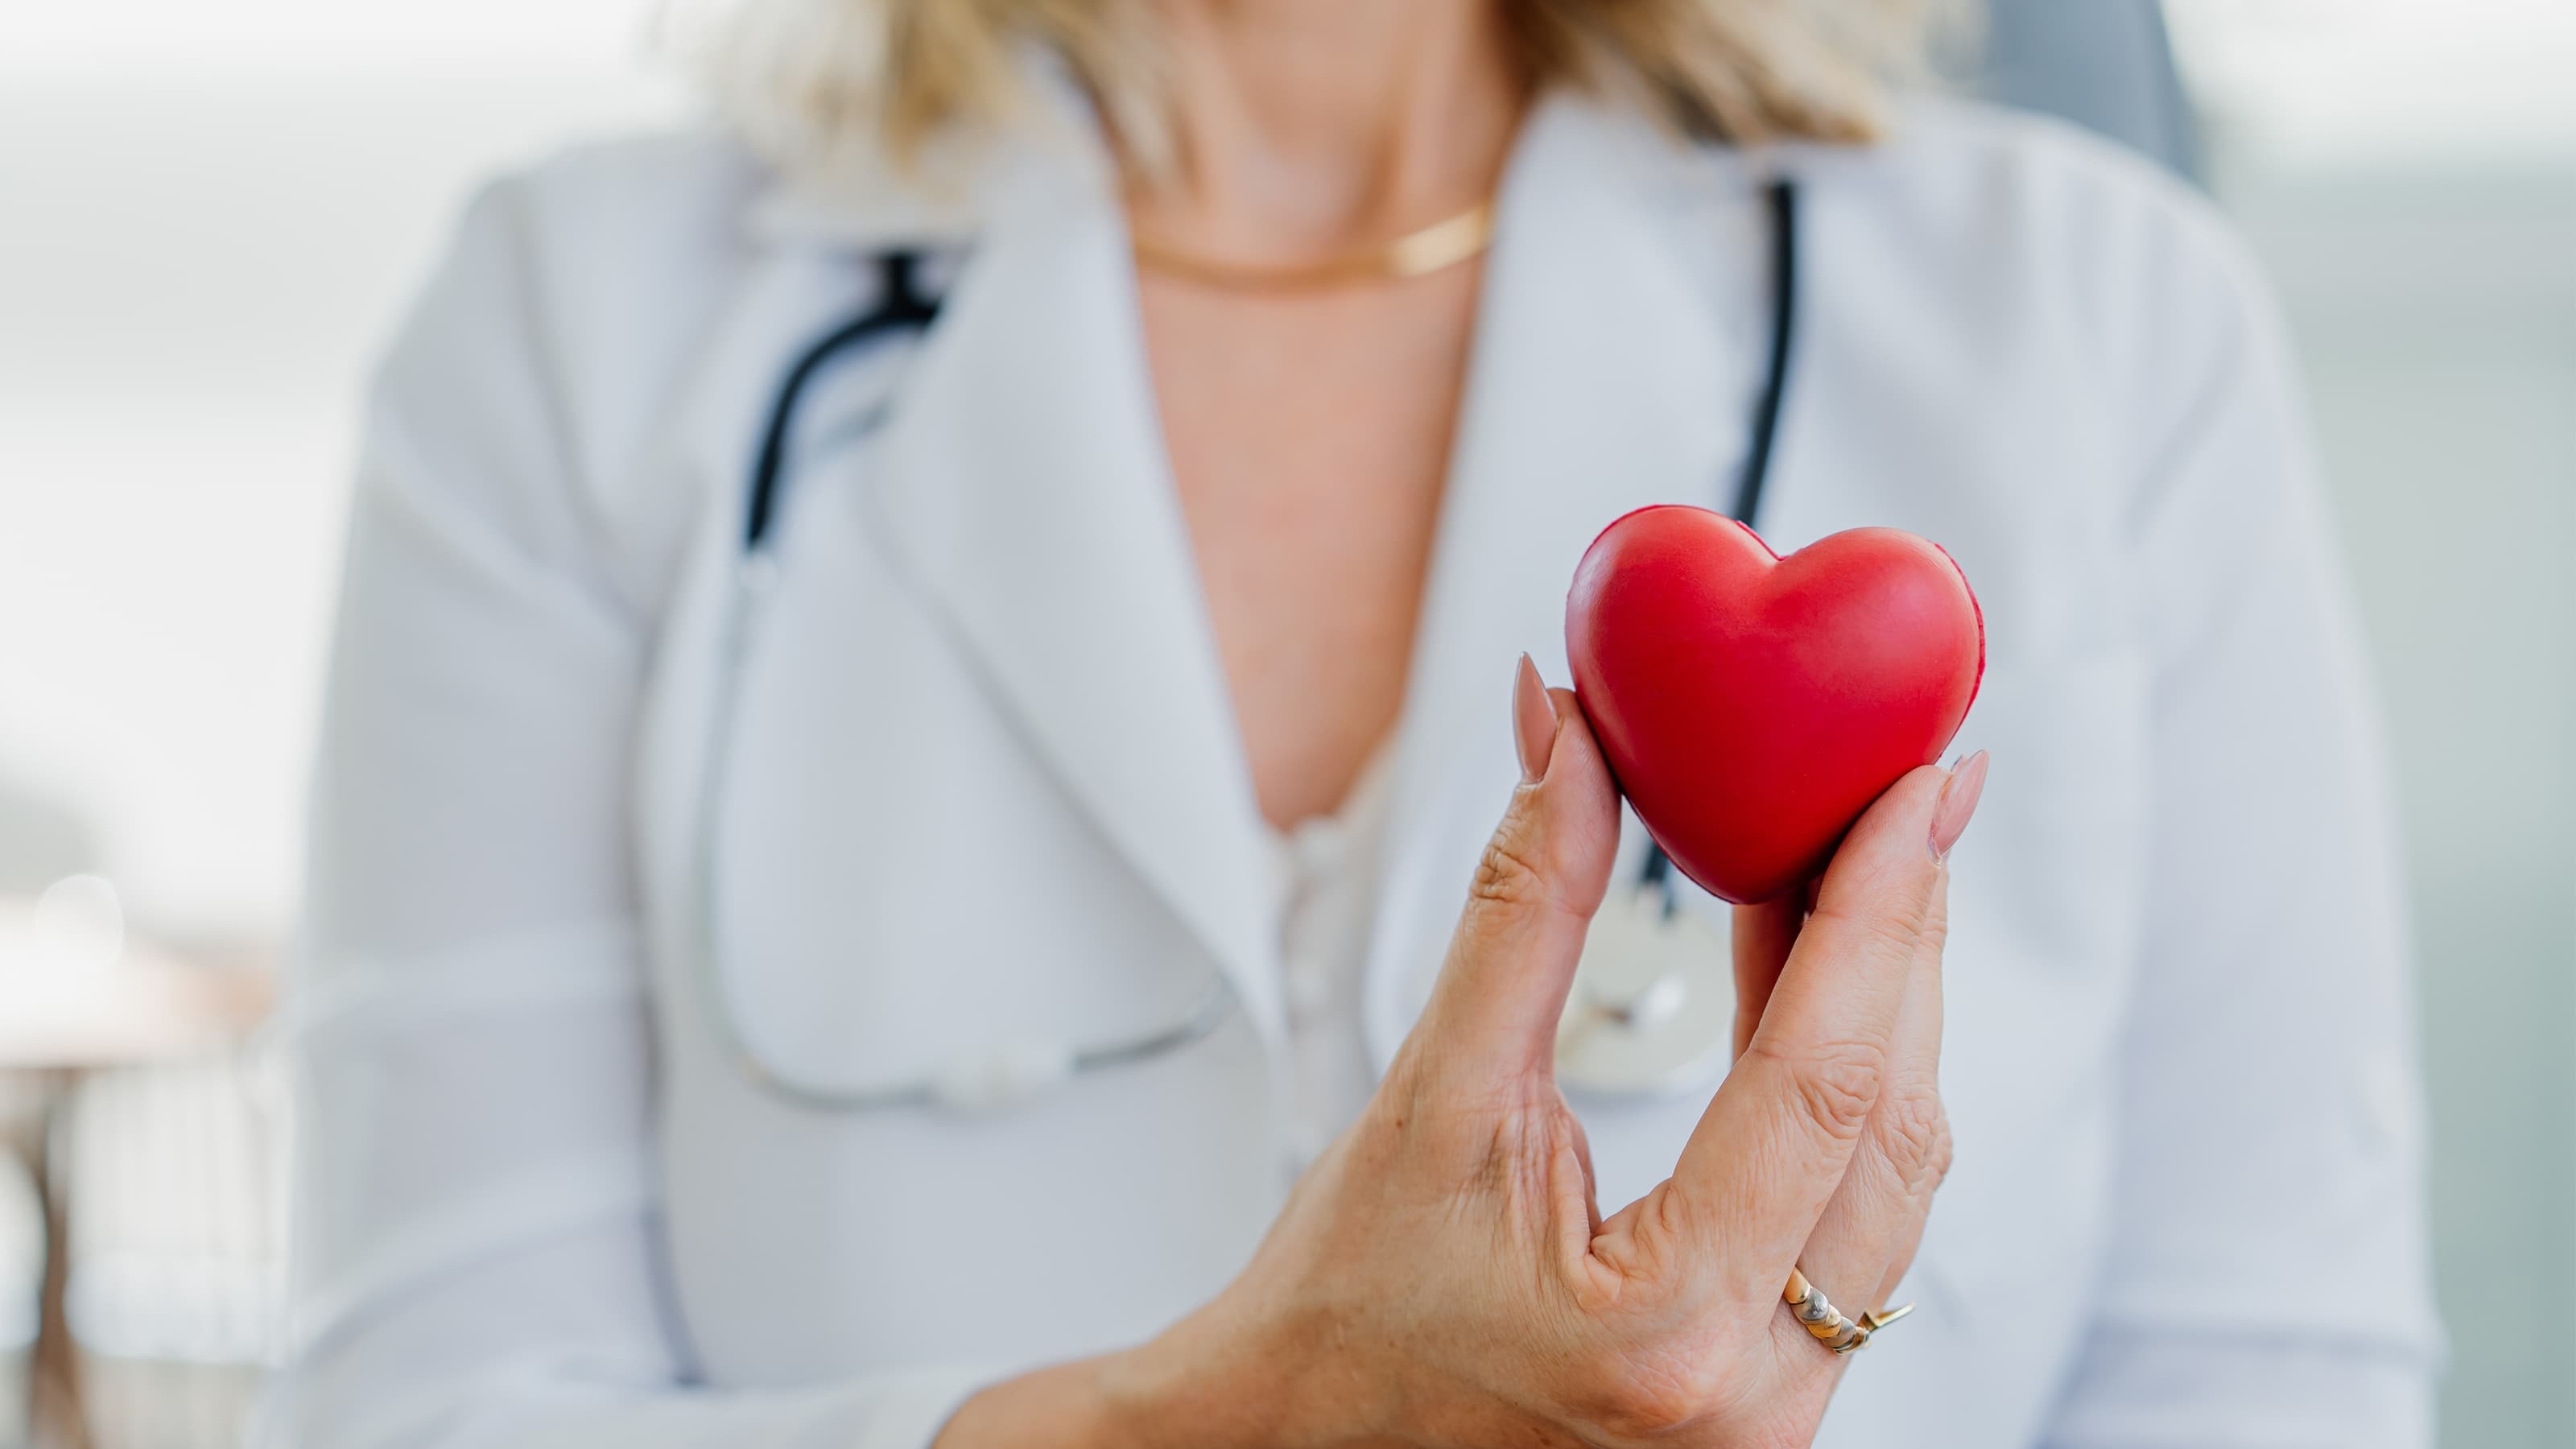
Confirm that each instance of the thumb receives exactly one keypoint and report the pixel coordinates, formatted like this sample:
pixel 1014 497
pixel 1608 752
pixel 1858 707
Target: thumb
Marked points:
pixel 1494 1010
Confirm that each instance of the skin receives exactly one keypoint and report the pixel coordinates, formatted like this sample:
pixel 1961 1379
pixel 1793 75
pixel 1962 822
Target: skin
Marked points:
pixel 1309 431
pixel 1444 1274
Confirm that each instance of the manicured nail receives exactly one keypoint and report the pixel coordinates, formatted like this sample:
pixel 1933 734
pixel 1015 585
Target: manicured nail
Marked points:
pixel 1958 803
pixel 1533 722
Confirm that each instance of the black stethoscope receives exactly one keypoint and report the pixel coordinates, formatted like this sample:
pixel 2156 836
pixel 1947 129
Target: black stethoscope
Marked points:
pixel 1653 1003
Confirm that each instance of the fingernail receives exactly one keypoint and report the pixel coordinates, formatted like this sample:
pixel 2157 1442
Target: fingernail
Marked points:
pixel 1533 722
pixel 1958 803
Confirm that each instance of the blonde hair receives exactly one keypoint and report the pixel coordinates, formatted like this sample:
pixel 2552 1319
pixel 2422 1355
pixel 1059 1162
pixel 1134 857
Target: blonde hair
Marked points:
pixel 811 79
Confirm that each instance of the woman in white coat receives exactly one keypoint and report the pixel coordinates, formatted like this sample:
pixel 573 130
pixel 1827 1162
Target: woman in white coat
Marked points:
pixel 1132 638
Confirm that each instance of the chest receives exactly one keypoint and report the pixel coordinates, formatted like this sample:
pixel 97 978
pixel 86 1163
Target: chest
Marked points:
pixel 1296 420
pixel 1309 435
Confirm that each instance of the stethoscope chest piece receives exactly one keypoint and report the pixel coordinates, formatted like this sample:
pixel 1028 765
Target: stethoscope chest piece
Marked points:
pixel 1652 1009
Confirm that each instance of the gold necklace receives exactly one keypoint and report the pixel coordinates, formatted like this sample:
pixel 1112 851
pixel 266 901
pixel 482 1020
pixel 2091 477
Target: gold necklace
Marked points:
pixel 1436 247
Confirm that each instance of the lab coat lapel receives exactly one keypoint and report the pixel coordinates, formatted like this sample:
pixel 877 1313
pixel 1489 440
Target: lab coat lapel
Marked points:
pixel 1025 487
pixel 1613 359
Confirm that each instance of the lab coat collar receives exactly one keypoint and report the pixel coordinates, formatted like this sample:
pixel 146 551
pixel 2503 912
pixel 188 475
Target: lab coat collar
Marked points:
pixel 861 198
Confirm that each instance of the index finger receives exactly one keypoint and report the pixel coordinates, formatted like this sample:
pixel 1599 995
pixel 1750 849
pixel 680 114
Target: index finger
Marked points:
pixel 1769 1151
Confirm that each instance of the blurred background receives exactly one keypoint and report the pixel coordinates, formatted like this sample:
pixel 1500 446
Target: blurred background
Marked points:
pixel 211 210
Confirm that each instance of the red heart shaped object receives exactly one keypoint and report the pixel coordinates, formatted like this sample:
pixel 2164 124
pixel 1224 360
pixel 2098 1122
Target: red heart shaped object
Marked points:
pixel 1752 706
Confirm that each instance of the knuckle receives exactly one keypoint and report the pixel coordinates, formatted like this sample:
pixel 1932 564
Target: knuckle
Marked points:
pixel 1892 937
pixel 1834 1084
pixel 1508 873
pixel 1883 928
pixel 1916 1134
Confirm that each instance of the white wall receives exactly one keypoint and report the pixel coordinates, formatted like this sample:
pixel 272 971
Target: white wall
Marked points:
pixel 212 213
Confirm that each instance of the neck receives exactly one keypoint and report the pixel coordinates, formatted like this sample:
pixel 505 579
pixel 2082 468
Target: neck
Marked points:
pixel 1308 128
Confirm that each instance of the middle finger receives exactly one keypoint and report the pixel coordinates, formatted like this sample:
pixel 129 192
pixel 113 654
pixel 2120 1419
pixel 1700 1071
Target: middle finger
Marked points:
pixel 1866 1238
pixel 1778 1138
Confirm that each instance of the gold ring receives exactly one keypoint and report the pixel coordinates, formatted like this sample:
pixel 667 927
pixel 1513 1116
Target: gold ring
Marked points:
pixel 1822 1320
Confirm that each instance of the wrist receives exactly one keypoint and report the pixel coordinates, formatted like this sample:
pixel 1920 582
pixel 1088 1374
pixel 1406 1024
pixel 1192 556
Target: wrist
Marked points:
pixel 1201 1386
pixel 1171 1393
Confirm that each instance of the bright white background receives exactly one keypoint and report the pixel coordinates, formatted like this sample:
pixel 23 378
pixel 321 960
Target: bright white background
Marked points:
pixel 2409 173
pixel 211 210
pixel 209 215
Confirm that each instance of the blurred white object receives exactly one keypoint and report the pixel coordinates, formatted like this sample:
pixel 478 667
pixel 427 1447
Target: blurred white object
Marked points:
pixel 75 992
pixel 78 924
pixel 212 215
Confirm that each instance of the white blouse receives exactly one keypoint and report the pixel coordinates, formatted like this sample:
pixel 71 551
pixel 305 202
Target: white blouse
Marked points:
pixel 1327 872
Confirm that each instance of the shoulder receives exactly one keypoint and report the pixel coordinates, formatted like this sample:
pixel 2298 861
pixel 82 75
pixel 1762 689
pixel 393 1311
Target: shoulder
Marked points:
pixel 1969 180
pixel 2044 256
pixel 588 250
pixel 555 330
pixel 614 212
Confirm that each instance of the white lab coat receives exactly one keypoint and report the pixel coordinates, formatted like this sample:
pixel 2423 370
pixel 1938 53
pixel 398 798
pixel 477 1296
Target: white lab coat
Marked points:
pixel 986 786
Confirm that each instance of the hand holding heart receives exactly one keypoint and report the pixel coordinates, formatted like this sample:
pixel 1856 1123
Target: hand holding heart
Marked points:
pixel 1751 705
pixel 1444 1275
